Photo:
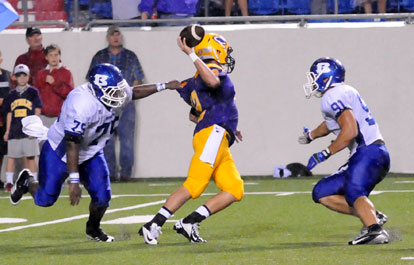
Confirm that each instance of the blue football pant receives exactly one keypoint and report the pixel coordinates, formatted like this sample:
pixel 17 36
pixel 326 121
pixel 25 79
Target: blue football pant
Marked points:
pixel 94 175
pixel 366 168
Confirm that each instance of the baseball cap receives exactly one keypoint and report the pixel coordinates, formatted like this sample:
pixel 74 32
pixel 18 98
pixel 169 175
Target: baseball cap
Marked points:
pixel 112 29
pixel 21 68
pixel 32 30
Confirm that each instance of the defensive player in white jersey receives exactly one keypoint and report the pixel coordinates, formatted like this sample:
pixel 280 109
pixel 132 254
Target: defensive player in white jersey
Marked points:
pixel 75 142
pixel 347 116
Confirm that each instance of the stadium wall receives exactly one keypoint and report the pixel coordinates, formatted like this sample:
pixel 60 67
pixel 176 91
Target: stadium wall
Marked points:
pixel 271 61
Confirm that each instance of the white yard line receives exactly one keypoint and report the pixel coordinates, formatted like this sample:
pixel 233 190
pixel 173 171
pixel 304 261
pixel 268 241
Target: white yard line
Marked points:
pixel 80 217
pixel 277 193
pixel 407 258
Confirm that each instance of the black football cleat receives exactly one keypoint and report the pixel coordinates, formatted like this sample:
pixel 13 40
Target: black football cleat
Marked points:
pixel 98 235
pixel 20 187
pixel 190 231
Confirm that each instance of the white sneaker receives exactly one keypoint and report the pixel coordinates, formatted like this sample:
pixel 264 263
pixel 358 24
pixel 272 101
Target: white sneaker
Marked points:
pixel 151 235
pixel 190 231
pixel 371 238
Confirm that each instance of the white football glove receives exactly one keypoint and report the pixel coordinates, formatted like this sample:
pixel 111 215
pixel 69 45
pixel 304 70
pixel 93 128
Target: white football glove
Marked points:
pixel 305 138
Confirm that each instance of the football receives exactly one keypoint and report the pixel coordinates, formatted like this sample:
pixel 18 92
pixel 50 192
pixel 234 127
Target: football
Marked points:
pixel 193 34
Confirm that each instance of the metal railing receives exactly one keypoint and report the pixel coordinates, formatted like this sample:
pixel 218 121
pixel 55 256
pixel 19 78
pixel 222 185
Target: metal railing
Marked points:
pixel 302 20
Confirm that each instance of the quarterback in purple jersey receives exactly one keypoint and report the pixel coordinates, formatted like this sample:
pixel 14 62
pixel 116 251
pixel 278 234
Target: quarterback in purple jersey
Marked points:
pixel 346 114
pixel 210 93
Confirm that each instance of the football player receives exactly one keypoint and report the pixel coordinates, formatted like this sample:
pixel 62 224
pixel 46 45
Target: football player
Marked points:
pixel 347 116
pixel 210 93
pixel 75 141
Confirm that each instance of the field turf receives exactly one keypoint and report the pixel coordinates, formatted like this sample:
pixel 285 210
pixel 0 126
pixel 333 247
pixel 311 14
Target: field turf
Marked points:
pixel 276 223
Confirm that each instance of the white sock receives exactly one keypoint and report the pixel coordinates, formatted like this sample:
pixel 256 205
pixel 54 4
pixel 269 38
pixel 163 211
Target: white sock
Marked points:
pixel 204 211
pixel 9 177
pixel 34 174
pixel 164 212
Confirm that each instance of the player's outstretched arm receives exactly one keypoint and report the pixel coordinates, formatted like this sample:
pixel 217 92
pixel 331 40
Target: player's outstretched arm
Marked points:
pixel 142 91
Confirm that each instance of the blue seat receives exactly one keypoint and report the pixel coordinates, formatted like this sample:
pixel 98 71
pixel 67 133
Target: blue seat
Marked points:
pixel 406 5
pixel 264 7
pixel 344 6
pixel 297 7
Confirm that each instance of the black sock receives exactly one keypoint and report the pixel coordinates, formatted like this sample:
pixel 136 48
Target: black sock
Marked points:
pixel 95 216
pixel 374 227
pixel 159 219
pixel 194 217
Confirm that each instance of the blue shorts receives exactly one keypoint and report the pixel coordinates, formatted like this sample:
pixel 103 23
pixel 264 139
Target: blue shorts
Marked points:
pixel 366 168
pixel 94 175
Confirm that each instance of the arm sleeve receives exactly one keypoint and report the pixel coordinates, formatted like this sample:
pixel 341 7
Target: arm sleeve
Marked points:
pixel 185 91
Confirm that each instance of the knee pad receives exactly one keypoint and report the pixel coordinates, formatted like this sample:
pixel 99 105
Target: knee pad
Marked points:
pixel 316 193
pixel 236 189
pixel 102 200
pixel 194 187
pixel 44 200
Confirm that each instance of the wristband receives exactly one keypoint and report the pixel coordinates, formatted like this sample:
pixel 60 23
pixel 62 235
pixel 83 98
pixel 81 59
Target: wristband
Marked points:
pixel 160 86
pixel 326 153
pixel 193 57
pixel 309 136
pixel 74 177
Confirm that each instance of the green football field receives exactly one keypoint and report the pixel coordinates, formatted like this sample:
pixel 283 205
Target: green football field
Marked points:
pixel 276 223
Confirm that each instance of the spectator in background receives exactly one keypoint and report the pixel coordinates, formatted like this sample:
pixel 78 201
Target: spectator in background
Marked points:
pixel 229 6
pixel 318 7
pixel 54 84
pixel 381 6
pixel 5 85
pixel 127 61
pixel 126 9
pixel 19 103
pixel 168 9
pixel 35 58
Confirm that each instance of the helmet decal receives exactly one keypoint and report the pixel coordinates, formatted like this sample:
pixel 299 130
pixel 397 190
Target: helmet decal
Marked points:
pixel 323 73
pixel 108 85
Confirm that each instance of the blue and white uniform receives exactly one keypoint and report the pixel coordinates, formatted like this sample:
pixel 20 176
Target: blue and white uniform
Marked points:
pixel 83 116
pixel 369 160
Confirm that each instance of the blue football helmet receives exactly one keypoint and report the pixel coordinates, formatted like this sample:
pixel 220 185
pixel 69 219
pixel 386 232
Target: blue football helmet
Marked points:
pixel 323 73
pixel 108 85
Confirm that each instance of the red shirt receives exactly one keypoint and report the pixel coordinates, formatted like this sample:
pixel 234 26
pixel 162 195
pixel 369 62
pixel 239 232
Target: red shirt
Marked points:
pixel 53 95
pixel 35 60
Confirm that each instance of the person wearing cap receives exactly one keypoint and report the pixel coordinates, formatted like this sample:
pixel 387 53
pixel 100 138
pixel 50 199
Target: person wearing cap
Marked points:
pixel 127 61
pixel 35 57
pixel 54 84
pixel 21 102
pixel 5 85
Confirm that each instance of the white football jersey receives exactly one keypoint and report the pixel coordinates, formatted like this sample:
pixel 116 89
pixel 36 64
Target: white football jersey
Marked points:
pixel 341 97
pixel 82 114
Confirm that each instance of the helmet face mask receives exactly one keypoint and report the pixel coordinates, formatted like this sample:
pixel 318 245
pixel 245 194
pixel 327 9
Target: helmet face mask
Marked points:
pixel 215 47
pixel 323 73
pixel 108 85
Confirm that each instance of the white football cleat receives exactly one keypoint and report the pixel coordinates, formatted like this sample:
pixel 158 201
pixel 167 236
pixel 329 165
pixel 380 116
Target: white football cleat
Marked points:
pixel 150 235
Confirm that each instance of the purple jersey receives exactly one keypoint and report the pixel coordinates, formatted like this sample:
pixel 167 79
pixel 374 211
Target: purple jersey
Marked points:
pixel 213 105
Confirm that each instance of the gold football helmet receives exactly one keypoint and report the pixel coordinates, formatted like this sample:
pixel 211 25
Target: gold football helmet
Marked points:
pixel 215 47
